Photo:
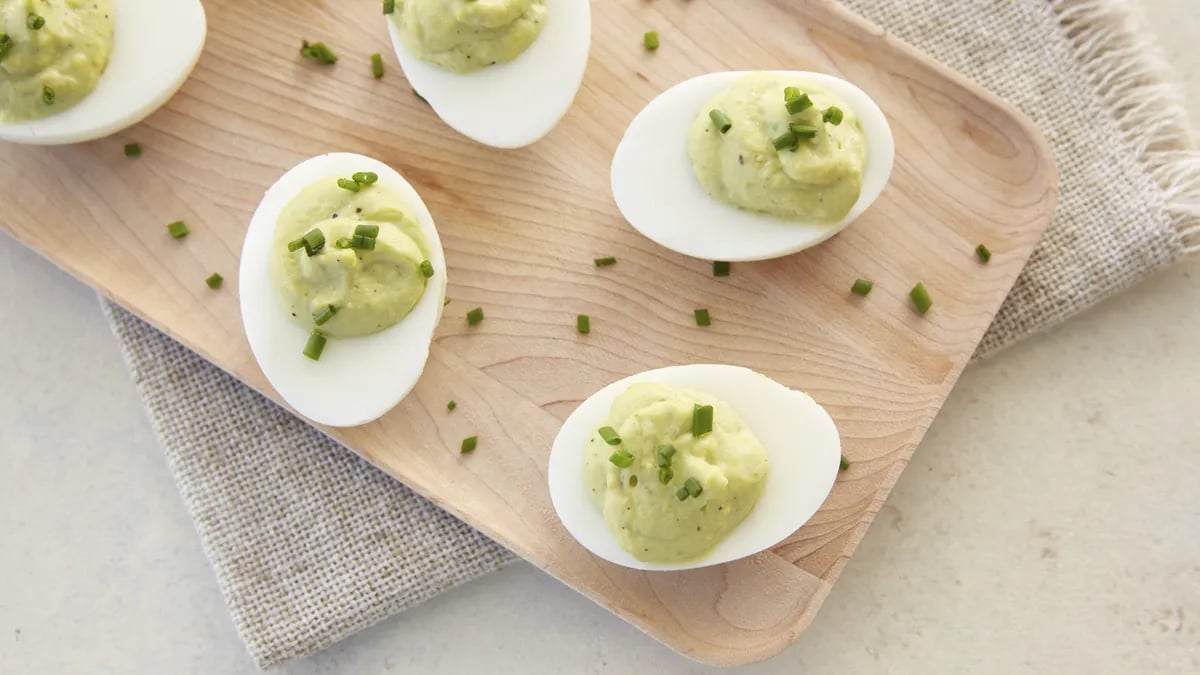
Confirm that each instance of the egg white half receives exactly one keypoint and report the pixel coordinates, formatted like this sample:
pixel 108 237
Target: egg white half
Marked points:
pixel 514 104
pixel 657 191
pixel 357 380
pixel 800 438
pixel 156 44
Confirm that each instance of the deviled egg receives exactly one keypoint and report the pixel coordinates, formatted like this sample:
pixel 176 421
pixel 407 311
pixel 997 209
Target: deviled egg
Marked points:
pixel 691 466
pixel 501 72
pixel 747 166
pixel 76 70
pixel 342 283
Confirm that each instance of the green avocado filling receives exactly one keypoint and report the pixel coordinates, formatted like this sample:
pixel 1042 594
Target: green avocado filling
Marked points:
pixel 466 35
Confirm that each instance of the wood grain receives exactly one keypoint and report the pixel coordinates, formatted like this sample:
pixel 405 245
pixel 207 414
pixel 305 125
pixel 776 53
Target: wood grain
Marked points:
pixel 520 229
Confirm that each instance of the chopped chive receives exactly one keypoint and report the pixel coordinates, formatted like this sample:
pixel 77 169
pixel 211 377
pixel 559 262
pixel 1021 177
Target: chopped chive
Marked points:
pixel 389 6
pixel 6 44
pixel 665 474
pixel 319 52
pixel 845 464
pixel 663 454
pixel 47 96
pixel 650 40
pixel 609 435
pixel 583 324
pixel 862 286
pixel 798 104
pixel 451 405
pixel 323 315
pixel 364 243
pixel 983 253
pixel 633 481
pixel 605 262
pixel 786 141
pixel 133 150
pixel 682 494
pixel 803 131
pixel 314 241
pixel 720 120
pixel 920 298
pixel 702 317
pixel 214 281
pixel 426 269
pixel 474 316
pixel 35 22
pixel 365 177
pixel 832 115
pixel 702 419
pixel 342 242
pixel 296 244
pixel 178 229
pixel 315 345
pixel 418 95
pixel 347 184
pixel 622 458
pixel 720 268
pixel 377 66
pixel 693 487
pixel 790 93
pixel 445 302
pixel 468 445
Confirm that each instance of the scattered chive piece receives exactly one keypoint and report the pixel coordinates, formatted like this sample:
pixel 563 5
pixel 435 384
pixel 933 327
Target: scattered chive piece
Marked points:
pixel 35 22
pixel 426 269
pixel 665 474
pixel 983 253
pixel 650 40
pixel 609 435
pixel 798 104
pixel 6 44
pixel 633 480
pixel 845 464
pixel 720 268
pixel 475 316
pixel 920 298
pixel 583 324
pixel 418 95
pixel 682 494
pixel 790 93
pixel 377 66
pixel 389 6
pixel 785 141
pixel 347 184
pixel 314 241
pixel 468 445
pixel 832 115
pixel 367 230
pixel 315 345
pixel 664 453
pixel 365 177
pixel 451 405
pixel 803 130
pixel 621 458
pixel 605 262
pixel 445 302
pixel 693 487
pixel 178 229
pixel 702 420
pixel 362 242
pixel 133 150
pixel 323 315
pixel 295 245
pixel 214 281
pixel 702 317
pixel 720 120
pixel 47 96
pixel 862 286
pixel 319 52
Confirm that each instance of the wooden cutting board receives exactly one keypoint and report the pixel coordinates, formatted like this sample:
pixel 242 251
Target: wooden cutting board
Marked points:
pixel 521 229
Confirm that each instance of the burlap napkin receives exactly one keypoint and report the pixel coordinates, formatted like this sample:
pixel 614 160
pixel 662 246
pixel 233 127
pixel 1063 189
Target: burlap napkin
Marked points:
pixel 310 544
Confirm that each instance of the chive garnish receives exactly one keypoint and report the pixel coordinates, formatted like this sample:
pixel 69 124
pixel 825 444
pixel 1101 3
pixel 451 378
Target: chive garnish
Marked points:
pixel 319 52
pixel 389 6
pixel 798 104
pixel 323 315
pixel 605 262
pixel 214 281
pixel 983 253
pixel 682 494
pixel 663 455
pixel 342 242
pixel 133 150
pixel 315 345
pixel 622 458
pixel 365 177
pixel 702 419
pixel 920 298
pixel 720 268
pixel 475 316
pixel 633 481
pixel 445 302
pixel 6 44
pixel 693 487
pixel 720 120
pixel 362 242
pixel 650 40
pixel 426 269
pixel 583 324
pixel 803 131
pixel 832 115
pixel 845 464
pixel 609 435
pixel 665 474
pixel 862 286
pixel 47 96
pixel 786 141
pixel 296 244
pixel 702 317
pixel 347 184
pixel 451 405
pixel 377 66
pixel 367 230
pixel 790 93
pixel 468 445
pixel 35 21
pixel 314 241
pixel 178 229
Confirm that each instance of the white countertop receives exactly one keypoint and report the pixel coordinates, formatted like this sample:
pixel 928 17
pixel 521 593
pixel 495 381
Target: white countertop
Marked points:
pixel 1050 522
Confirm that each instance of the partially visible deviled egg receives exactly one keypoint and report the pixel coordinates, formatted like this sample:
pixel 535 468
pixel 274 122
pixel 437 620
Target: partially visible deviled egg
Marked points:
pixel 342 282
pixel 691 466
pixel 501 72
pixel 74 70
pixel 747 166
